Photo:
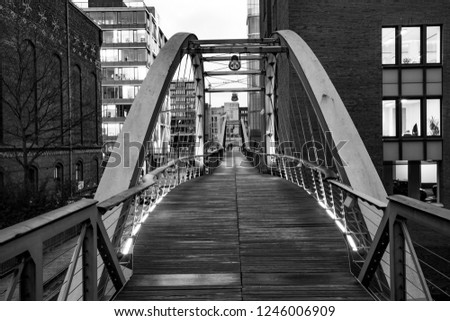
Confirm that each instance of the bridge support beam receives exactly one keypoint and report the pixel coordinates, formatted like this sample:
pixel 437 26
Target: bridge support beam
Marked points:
pixel 90 264
pixel 414 179
pixel 269 110
pixel 199 105
pixel 31 279
pixel 397 260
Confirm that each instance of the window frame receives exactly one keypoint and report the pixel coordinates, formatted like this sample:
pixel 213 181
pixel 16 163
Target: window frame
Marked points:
pixel 424 66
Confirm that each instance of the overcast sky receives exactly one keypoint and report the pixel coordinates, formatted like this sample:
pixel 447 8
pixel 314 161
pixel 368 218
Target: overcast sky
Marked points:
pixel 208 19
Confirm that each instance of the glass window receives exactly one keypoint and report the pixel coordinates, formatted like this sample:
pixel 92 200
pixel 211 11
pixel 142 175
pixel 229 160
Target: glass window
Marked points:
pixel 97 17
pixel 108 111
pixel 79 171
pixel 410 117
pixel 58 173
pixel 127 35
pixel 140 17
pixel 111 129
pixel 126 18
pixel 109 55
pixel 128 74
pixel 123 110
pixel 154 29
pixel 108 73
pixel 127 55
pixel 411 52
pixel 141 72
pixel 433 45
pixel 412 82
pixel 429 173
pixel 108 36
pixel 141 54
pixel 110 18
pixel 388 45
pixel 141 36
pixel 433 117
pixel 110 92
pixel 389 118
pixel 128 92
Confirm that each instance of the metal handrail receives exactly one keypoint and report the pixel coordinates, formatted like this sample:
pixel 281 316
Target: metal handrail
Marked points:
pixel 24 241
pixel 32 225
pixel 117 199
pixel 366 198
pixel 392 230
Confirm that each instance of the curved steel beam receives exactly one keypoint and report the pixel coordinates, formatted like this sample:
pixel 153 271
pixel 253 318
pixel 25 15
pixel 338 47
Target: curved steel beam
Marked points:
pixel 360 173
pixel 199 81
pixel 122 171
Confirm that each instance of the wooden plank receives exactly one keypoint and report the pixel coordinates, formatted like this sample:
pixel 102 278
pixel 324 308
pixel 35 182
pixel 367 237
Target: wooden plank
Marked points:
pixel 240 235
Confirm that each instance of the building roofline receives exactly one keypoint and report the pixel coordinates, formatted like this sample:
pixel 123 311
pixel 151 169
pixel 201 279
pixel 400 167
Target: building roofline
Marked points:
pixel 84 14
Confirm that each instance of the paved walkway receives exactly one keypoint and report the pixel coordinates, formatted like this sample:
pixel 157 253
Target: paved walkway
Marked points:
pixel 240 235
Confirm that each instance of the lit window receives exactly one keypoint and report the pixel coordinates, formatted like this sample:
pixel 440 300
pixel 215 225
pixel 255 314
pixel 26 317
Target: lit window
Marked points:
pixel 412 89
pixel 388 44
pixel 389 118
pixel 433 117
pixel 410 117
pixel 411 51
pixel 433 45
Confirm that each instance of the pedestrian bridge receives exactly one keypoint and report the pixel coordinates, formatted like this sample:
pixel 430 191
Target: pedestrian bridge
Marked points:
pixel 302 215
pixel 253 238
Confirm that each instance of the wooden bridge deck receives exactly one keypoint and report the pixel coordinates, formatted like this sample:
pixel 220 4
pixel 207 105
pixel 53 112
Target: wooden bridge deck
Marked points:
pixel 239 235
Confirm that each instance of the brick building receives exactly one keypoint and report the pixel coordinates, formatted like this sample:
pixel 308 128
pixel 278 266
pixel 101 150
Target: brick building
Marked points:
pixel 50 130
pixel 389 63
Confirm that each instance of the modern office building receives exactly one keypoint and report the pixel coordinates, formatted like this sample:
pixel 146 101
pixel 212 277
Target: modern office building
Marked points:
pixel 389 61
pixel 232 133
pixel 132 39
pixel 50 130
pixel 254 99
pixel 182 117
pixel 215 121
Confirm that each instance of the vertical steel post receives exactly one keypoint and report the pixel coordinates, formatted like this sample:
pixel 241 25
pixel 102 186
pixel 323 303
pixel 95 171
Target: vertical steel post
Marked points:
pixel 31 277
pixel 397 255
pixel 90 264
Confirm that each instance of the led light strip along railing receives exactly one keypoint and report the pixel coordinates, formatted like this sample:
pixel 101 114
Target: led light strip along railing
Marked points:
pixel 342 203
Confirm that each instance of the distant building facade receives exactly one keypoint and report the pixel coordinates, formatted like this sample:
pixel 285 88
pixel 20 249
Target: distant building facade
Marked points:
pixel 182 117
pixel 389 63
pixel 254 99
pixel 132 39
pixel 232 132
pixel 216 114
pixel 50 130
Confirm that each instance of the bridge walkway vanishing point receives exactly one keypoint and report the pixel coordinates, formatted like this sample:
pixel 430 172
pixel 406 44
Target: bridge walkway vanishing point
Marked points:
pixel 240 235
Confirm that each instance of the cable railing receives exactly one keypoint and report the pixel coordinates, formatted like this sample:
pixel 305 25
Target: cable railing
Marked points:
pixel 404 260
pixel 54 256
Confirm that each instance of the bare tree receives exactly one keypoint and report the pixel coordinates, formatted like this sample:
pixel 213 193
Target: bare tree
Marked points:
pixel 34 96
